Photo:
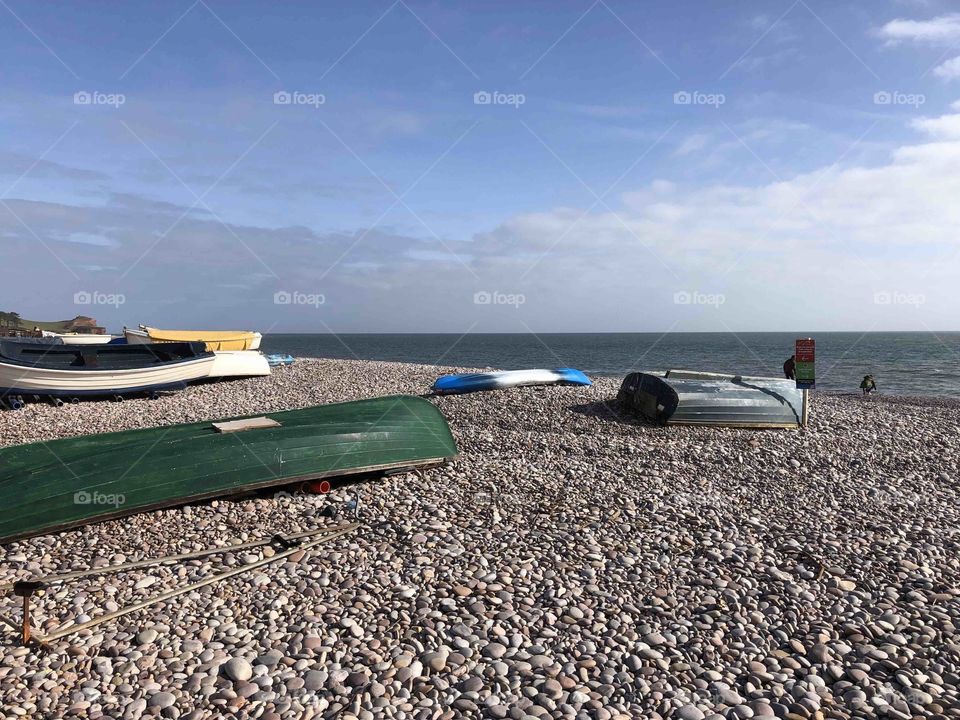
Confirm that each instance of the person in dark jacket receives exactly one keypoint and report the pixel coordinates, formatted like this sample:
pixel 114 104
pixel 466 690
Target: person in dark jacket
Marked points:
pixel 868 384
pixel 790 368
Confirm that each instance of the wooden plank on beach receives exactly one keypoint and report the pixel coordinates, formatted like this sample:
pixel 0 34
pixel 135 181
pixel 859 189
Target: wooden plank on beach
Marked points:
pixel 246 424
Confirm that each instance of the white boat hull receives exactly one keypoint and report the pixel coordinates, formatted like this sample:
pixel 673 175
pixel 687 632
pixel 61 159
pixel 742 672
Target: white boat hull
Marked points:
pixel 85 339
pixel 239 363
pixel 23 380
pixel 137 337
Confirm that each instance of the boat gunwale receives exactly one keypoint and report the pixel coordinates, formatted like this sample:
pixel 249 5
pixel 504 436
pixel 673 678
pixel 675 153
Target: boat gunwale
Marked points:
pixel 205 356
pixel 166 385
pixel 209 421
pixel 239 491
pixel 229 336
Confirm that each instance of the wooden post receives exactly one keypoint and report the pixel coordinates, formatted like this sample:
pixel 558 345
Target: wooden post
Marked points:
pixel 26 619
pixel 26 588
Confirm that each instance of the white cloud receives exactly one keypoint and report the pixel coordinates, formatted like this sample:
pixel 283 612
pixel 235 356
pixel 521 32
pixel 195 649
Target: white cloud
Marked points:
pixel 950 70
pixel 90 239
pixel 694 143
pixel 945 127
pixel 809 251
pixel 940 30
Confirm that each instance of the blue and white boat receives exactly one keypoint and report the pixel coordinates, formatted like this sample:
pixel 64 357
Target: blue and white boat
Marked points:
pixel 55 370
pixel 475 382
pixel 276 359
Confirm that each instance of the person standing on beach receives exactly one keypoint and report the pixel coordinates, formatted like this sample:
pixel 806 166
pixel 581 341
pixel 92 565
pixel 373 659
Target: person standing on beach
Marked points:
pixel 790 368
pixel 868 384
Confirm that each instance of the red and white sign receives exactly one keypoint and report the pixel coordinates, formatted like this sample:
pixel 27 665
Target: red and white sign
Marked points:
pixel 806 349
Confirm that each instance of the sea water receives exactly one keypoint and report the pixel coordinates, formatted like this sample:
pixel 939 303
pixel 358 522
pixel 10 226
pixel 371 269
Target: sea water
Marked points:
pixel 909 363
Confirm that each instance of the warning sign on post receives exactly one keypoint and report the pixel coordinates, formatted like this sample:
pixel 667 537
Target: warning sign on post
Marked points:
pixel 805 358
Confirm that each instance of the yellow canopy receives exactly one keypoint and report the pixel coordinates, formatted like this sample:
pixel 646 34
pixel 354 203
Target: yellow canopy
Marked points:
pixel 215 339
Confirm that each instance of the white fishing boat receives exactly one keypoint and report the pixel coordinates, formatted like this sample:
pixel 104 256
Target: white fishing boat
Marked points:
pixel 79 338
pixel 239 363
pixel 68 372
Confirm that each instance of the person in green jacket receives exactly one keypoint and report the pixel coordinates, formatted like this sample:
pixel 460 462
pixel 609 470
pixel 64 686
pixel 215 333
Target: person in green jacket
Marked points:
pixel 868 384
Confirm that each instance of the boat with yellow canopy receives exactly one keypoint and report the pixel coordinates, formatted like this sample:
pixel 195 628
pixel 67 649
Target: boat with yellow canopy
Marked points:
pixel 215 339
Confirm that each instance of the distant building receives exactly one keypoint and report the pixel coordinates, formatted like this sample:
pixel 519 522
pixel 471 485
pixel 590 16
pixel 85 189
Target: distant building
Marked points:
pixel 85 325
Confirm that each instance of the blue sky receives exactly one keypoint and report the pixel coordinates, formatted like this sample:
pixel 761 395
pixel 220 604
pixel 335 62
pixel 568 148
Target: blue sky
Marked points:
pixel 655 166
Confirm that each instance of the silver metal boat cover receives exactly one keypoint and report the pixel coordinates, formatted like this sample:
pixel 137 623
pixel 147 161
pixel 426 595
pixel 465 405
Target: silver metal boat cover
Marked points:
pixel 686 397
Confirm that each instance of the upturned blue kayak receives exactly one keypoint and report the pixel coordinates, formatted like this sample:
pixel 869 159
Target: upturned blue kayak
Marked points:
pixel 475 382
pixel 277 359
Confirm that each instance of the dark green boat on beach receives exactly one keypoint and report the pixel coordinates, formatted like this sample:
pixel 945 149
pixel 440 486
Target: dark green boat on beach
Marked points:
pixel 60 484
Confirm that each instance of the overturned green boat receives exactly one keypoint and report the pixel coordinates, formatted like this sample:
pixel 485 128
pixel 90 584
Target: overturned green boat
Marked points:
pixel 51 486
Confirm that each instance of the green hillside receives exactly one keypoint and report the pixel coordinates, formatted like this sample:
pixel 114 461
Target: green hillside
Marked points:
pixel 13 321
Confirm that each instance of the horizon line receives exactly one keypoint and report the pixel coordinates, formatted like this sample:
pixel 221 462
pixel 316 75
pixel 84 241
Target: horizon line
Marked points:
pixel 800 333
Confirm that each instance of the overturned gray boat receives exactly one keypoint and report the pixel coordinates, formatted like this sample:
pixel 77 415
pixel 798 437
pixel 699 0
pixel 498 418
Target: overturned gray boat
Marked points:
pixel 686 397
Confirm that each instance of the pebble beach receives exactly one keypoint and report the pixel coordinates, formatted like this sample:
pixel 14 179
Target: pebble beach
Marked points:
pixel 571 562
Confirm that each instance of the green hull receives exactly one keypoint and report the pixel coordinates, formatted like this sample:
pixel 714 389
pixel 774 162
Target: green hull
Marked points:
pixel 50 486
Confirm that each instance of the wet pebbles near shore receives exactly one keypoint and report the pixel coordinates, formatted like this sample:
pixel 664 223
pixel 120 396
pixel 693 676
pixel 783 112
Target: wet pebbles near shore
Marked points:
pixel 572 562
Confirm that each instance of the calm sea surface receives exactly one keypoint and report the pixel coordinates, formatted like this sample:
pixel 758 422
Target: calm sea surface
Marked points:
pixel 906 363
